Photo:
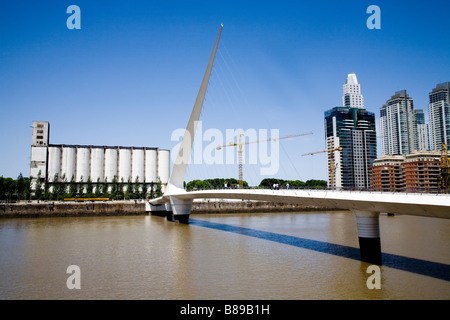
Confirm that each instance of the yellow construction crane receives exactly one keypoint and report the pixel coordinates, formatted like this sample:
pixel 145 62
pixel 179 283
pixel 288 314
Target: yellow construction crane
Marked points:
pixel 445 165
pixel 240 144
pixel 331 157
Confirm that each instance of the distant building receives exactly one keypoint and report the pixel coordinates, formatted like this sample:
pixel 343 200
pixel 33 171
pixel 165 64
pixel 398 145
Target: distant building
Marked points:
pixel 423 171
pixel 352 97
pixel 439 113
pixel 351 127
pixel 416 172
pixel 398 126
pixel 388 173
pixel 98 164
pixel 423 136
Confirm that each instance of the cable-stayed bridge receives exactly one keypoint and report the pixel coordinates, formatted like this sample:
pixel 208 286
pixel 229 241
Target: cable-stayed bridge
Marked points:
pixel 176 203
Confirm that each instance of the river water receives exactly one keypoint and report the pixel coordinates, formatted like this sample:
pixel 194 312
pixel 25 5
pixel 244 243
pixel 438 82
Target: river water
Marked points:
pixel 288 256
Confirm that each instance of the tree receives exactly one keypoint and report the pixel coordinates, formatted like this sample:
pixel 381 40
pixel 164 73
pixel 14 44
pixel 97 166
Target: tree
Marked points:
pixel 316 184
pixel 72 187
pixel 136 188
pixel 120 192
pixel 89 187
pixel 152 190
pixel 97 188
pixel 197 185
pixel 294 183
pixel 158 189
pixel 269 182
pixel 129 192
pixel 105 187
pixel 46 195
pixel 2 188
pixel 55 187
pixel 114 187
pixel 27 188
pixel 144 190
pixel 62 186
pixel 80 190
pixel 20 185
pixel 38 187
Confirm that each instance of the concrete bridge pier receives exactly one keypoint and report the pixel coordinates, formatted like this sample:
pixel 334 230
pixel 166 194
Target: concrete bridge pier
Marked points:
pixel 368 226
pixel 181 209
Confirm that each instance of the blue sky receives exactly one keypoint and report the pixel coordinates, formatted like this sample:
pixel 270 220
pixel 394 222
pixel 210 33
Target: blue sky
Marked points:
pixel 130 76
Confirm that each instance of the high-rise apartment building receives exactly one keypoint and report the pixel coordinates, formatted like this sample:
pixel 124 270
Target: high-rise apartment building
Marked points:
pixel 423 137
pixel 352 97
pixel 351 127
pixel 439 112
pixel 398 126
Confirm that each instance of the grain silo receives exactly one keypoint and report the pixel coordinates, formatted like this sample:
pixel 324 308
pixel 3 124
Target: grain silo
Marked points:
pixel 137 164
pixel 83 163
pixel 68 162
pixel 54 163
pixel 97 164
pixel 124 164
pixel 111 157
pixel 151 165
pixel 164 166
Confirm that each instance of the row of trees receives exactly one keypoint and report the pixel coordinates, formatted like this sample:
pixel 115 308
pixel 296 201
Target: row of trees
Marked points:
pixel 297 184
pixel 14 190
pixel 60 188
pixel 213 184
pixel 265 183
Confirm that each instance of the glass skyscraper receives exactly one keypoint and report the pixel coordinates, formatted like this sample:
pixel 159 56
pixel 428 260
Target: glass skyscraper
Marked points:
pixel 398 125
pixel 423 137
pixel 439 112
pixel 351 127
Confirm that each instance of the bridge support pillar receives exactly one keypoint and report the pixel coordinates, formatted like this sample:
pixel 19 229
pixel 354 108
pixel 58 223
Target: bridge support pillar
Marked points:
pixel 181 209
pixel 368 226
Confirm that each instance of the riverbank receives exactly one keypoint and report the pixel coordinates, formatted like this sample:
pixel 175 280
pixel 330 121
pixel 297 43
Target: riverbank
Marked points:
pixel 136 207
pixel 224 206
pixel 71 209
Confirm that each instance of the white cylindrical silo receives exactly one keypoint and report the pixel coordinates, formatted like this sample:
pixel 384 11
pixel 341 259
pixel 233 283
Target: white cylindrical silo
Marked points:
pixel 151 174
pixel 97 164
pixel 54 162
pixel 68 162
pixel 164 166
pixel 110 164
pixel 83 163
pixel 124 164
pixel 137 168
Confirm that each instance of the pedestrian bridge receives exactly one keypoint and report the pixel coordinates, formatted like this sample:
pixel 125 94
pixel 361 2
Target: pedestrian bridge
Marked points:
pixel 176 203
pixel 430 205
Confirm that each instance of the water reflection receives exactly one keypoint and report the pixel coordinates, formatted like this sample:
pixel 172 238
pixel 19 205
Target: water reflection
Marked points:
pixel 242 256
pixel 427 268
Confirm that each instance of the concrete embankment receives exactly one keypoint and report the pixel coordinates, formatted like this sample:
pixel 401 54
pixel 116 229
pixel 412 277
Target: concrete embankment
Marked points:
pixel 71 209
pixel 221 206
pixel 122 208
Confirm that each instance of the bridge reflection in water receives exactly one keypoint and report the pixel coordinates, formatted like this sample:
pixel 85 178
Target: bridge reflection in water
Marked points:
pixel 427 268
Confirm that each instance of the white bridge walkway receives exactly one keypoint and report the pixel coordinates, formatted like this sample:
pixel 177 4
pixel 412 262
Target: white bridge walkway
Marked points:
pixel 430 205
pixel 176 203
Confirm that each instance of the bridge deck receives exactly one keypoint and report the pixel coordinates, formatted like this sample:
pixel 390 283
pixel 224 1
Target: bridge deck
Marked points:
pixel 430 205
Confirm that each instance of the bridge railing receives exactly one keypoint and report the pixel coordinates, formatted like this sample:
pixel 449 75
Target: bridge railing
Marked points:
pixel 370 190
